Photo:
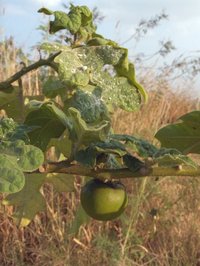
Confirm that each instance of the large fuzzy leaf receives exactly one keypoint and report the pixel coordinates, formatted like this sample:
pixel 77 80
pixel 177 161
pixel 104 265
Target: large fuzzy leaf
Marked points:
pixel 183 135
pixel 170 160
pixel 16 156
pixel 133 163
pixel 11 176
pixel 53 87
pixel 12 131
pixel 106 67
pixel 71 69
pixel 101 152
pixel 90 105
pixel 84 133
pixel 63 144
pixel 11 100
pixel 29 201
pixel 27 157
pixel 49 122
pixel 168 157
pixel 77 21
pixel 120 89
pixel 140 146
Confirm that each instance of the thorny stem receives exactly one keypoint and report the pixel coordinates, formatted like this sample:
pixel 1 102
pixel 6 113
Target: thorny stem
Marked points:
pixel 42 62
pixel 69 168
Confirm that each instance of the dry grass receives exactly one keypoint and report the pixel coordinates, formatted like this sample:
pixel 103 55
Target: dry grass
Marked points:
pixel 160 226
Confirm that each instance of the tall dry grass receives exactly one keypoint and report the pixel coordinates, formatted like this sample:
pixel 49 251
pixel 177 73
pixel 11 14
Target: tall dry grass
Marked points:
pixel 160 226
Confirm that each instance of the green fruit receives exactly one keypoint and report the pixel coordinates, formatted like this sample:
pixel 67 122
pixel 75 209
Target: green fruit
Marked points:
pixel 103 200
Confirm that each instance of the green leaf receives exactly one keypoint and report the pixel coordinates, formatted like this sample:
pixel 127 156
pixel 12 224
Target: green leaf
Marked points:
pixel 86 157
pixel 113 162
pixel 11 131
pixel 62 21
pixel 127 69
pixel 100 40
pixel 163 151
pixel 27 157
pixel 46 11
pixel 77 21
pixel 71 70
pixel 11 176
pixel 34 105
pixel 169 160
pixel 112 146
pixel 7 127
pixel 53 87
pixel 100 152
pixel 90 105
pixel 84 133
pixel 16 155
pixel 80 66
pixel 49 121
pixel 117 90
pixel 133 163
pixel 32 158
pixel 12 101
pixel 29 201
pixel 183 135
pixel 61 182
pixel 86 14
pixel 142 147
pixel 63 144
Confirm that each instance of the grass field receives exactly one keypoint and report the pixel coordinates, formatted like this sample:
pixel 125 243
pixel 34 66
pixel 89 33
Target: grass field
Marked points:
pixel 159 227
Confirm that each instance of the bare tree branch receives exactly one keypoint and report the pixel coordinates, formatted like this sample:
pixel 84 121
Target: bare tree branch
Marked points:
pixel 42 62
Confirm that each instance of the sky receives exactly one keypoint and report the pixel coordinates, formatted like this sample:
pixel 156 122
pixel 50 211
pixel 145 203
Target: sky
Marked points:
pixel 19 18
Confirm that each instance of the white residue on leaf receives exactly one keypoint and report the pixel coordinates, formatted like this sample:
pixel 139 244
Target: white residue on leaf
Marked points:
pixel 81 55
pixel 84 68
pixel 73 70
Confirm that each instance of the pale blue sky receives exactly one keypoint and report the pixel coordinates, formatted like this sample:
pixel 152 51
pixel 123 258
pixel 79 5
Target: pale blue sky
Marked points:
pixel 19 18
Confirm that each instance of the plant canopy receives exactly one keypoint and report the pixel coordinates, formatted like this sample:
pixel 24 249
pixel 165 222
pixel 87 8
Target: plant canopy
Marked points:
pixel 92 76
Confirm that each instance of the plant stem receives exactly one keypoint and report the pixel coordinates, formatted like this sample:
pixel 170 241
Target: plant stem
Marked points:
pixel 42 62
pixel 69 168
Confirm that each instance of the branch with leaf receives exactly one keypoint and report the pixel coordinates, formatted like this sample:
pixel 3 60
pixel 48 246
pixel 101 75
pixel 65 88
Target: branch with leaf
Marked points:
pixel 26 69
